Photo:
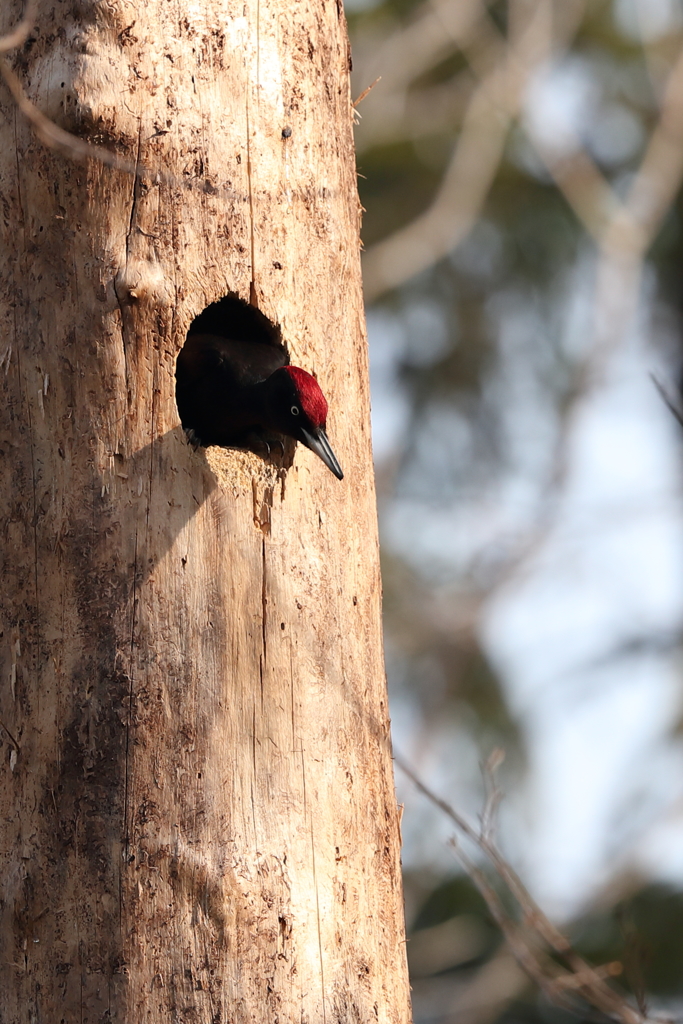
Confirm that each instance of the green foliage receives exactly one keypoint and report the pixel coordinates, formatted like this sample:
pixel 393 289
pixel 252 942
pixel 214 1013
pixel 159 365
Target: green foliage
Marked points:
pixel 645 933
pixel 455 896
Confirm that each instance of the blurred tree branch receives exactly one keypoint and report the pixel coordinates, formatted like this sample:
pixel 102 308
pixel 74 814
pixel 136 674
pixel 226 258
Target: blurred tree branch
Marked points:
pixel 623 230
pixel 62 141
pixel 472 168
pixel 543 952
pixel 20 34
pixel 51 135
pixel 407 53
pixel 480 145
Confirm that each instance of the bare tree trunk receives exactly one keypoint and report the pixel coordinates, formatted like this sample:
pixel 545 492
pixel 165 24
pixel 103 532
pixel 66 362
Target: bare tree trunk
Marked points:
pixel 197 806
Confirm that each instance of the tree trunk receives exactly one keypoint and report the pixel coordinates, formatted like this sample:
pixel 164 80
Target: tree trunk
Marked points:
pixel 198 814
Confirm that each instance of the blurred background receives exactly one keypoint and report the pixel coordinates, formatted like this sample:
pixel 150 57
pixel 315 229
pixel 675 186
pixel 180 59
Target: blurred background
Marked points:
pixel 520 165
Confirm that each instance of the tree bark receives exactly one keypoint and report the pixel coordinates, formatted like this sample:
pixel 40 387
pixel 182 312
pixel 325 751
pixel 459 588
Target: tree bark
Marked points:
pixel 197 804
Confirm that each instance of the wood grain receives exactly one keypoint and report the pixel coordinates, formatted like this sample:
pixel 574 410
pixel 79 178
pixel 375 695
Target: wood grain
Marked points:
pixel 198 814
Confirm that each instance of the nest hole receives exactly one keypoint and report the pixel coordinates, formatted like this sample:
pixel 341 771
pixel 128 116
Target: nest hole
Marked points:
pixel 235 319
pixel 198 371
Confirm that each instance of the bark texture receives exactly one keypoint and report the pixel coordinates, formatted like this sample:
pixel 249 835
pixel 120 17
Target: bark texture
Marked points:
pixel 197 814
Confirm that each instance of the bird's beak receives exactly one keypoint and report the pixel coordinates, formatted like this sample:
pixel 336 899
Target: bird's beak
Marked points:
pixel 319 444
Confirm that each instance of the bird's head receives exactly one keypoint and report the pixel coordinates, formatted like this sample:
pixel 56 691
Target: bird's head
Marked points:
pixel 298 408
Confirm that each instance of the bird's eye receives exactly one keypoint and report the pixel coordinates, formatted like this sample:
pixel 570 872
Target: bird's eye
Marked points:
pixel 294 410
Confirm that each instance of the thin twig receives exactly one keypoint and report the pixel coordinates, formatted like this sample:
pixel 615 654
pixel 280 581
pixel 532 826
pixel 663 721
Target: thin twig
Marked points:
pixel 668 402
pixel 21 32
pixel 365 92
pixel 18 748
pixel 527 959
pixel 57 138
pixel 54 137
pixel 493 791
pixel 536 941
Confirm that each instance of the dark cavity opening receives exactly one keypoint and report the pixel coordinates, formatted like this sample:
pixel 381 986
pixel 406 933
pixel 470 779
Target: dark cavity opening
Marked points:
pixel 229 347
pixel 230 317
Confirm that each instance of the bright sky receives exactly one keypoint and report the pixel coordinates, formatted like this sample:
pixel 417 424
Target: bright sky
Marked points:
pixel 584 642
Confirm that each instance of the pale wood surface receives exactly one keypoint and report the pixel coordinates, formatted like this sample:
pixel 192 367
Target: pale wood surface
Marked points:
pixel 198 821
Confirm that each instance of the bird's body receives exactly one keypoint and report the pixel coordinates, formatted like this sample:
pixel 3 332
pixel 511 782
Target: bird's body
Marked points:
pixel 228 391
pixel 215 386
